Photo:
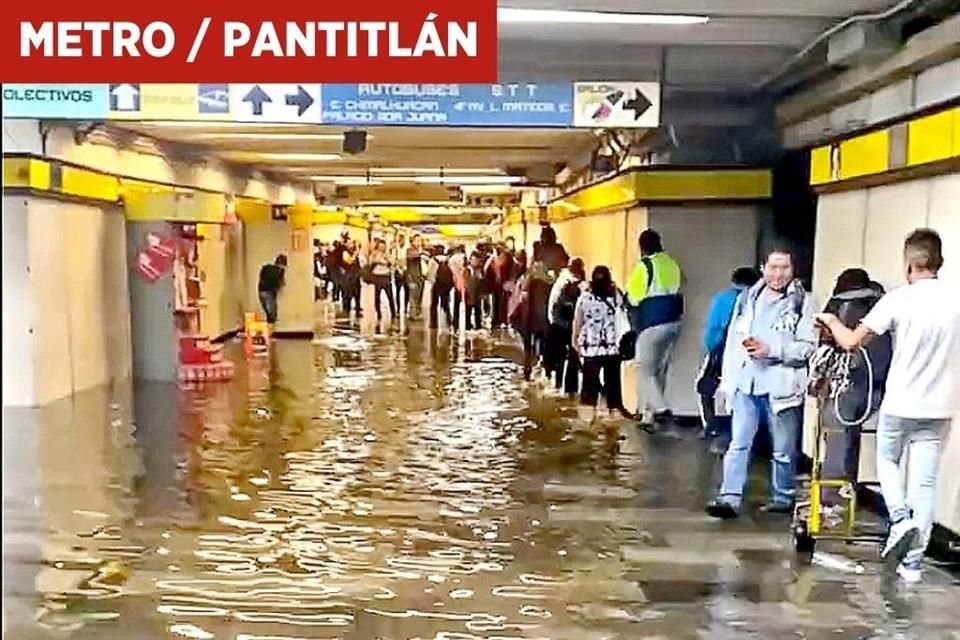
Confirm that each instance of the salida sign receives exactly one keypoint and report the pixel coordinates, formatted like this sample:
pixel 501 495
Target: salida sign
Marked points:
pixel 103 41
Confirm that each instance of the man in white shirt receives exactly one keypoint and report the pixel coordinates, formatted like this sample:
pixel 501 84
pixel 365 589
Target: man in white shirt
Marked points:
pixel 921 394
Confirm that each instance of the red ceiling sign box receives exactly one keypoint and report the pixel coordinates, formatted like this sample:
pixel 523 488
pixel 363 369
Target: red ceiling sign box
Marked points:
pixel 293 41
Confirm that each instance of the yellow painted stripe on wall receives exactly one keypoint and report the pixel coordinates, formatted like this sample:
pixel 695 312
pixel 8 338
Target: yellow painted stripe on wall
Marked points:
pixel 400 214
pixel 821 165
pixel 89 184
pixel 252 210
pixel 930 139
pixel 618 191
pixel 329 217
pixel 129 185
pixel 704 185
pixel 865 155
pixel 956 132
pixel 300 216
pixel 26 173
pixel 183 206
pixel 357 221
pixel 666 186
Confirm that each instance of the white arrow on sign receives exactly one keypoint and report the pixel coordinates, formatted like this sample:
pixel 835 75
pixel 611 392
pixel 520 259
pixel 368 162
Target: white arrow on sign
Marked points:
pixel 125 96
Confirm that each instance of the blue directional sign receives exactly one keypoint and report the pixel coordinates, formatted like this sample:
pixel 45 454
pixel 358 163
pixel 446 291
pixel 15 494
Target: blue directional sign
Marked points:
pixel 451 105
pixel 77 101
pixel 213 98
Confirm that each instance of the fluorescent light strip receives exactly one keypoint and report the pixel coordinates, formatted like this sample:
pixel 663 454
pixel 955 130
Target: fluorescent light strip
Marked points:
pixel 336 137
pixel 360 179
pixel 558 16
pixel 457 180
pixel 357 182
pixel 200 124
pixel 300 157
pixel 432 170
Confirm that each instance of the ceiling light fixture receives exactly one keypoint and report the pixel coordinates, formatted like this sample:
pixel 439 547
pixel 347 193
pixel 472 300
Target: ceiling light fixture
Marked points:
pixel 300 157
pixel 433 170
pixel 357 182
pixel 457 180
pixel 333 137
pixel 357 178
pixel 507 15
pixel 202 124
pixel 490 189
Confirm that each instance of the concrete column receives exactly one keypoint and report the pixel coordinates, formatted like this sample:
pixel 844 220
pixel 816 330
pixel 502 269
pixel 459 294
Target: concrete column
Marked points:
pixel 19 136
pixel 18 304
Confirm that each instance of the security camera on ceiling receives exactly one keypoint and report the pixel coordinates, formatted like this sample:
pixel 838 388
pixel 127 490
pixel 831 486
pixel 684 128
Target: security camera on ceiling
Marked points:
pixel 354 142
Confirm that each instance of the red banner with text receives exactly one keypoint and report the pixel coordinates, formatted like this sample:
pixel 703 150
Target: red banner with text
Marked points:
pixel 366 41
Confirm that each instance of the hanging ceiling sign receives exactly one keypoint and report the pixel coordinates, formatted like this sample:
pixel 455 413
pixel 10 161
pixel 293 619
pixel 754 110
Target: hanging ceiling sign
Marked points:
pixel 584 104
pixel 617 105
pixel 453 105
pixel 275 103
pixel 77 101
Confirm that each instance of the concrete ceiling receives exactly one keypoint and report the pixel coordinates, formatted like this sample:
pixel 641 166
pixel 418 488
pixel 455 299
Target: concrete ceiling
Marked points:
pixel 710 73
pixel 744 41
pixel 389 147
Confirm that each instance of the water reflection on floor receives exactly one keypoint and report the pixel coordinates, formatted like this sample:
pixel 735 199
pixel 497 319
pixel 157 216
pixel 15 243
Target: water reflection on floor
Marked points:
pixel 397 487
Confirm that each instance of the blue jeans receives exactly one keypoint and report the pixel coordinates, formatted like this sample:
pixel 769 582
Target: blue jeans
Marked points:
pixel 784 427
pixel 268 300
pixel 923 440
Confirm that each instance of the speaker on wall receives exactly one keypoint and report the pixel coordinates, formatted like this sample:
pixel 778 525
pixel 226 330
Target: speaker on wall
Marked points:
pixel 354 142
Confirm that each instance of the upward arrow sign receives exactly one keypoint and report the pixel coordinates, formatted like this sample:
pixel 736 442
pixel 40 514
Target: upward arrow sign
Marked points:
pixel 257 97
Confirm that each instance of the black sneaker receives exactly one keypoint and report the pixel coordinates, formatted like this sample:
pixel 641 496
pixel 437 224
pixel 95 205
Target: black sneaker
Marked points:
pixel 722 511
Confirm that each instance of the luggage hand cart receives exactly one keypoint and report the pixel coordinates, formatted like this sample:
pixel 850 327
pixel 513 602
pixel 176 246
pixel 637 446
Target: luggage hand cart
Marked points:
pixel 809 524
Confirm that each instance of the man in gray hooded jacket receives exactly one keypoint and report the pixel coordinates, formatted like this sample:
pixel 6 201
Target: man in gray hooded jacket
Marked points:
pixel 771 338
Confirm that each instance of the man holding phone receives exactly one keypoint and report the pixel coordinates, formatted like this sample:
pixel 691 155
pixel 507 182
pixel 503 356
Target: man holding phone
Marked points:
pixel 921 396
pixel 770 340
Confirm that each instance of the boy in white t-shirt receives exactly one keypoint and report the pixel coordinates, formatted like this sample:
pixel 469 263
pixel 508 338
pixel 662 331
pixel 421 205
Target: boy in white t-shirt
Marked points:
pixel 922 392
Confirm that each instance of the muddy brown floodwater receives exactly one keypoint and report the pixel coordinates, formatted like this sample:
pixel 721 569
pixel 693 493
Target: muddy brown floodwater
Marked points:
pixel 395 487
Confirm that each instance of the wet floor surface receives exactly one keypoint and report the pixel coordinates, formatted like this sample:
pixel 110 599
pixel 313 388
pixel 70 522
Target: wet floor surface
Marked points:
pixel 395 487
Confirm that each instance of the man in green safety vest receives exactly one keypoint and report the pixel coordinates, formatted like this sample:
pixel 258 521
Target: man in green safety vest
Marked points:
pixel 656 313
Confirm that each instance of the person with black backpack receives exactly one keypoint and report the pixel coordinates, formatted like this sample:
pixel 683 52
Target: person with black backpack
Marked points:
pixel 850 385
pixel 714 339
pixel 560 311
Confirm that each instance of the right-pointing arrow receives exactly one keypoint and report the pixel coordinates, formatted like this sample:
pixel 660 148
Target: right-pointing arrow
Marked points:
pixel 638 104
pixel 257 97
pixel 301 100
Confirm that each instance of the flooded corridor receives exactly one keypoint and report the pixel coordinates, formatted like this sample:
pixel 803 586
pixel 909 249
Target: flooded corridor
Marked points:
pixel 399 486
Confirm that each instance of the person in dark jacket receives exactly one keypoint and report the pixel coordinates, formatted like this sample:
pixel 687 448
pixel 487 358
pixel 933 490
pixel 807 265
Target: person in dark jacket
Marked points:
pixel 416 256
pixel 473 292
pixel 498 271
pixel 850 385
pixel 561 308
pixel 442 283
pixel 334 260
pixel 553 255
pixel 351 274
pixel 271 280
